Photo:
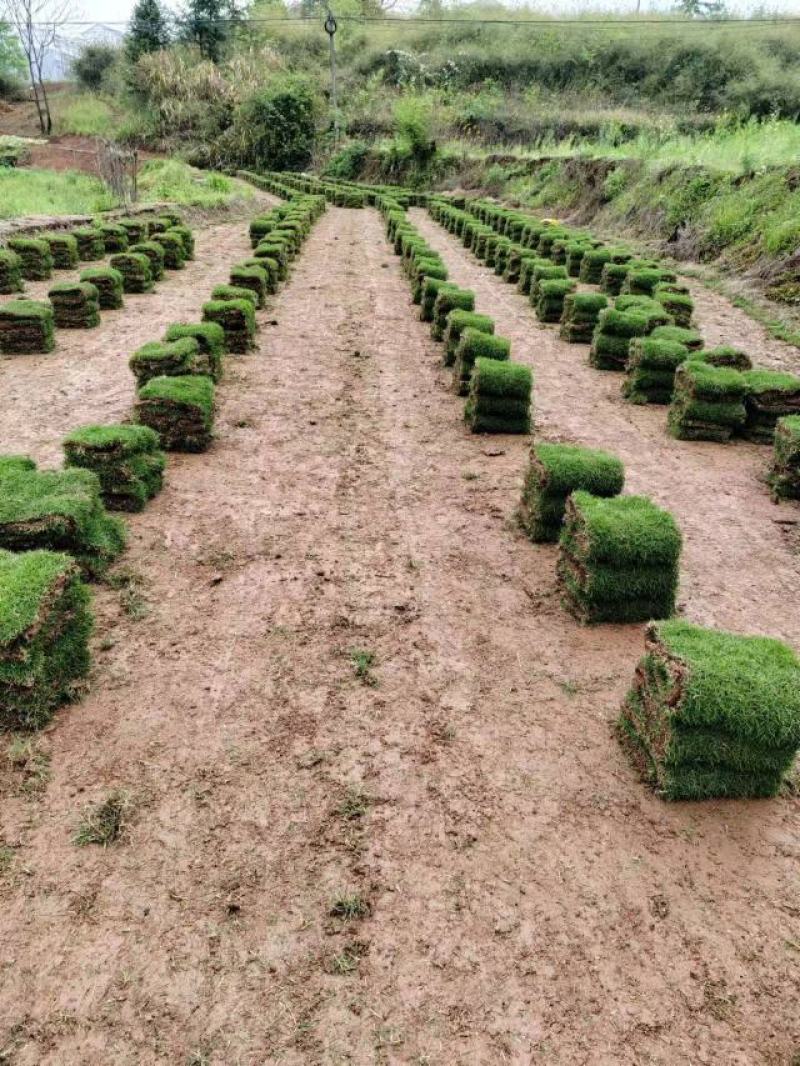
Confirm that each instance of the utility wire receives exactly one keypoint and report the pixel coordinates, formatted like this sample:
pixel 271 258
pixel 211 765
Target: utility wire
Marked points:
pixel 366 20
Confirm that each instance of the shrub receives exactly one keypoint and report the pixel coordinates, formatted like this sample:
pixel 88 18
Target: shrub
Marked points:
pixel 499 398
pixel 238 321
pixel 164 359
pixel 555 471
pixel 712 714
pixel 76 305
pixel 180 410
pixel 26 327
pixel 126 459
pixel 708 402
pixel 274 128
pixel 784 476
pixel 93 64
pixel 34 253
pixel 210 338
pixel 618 559
pixel 108 283
pixel 45 623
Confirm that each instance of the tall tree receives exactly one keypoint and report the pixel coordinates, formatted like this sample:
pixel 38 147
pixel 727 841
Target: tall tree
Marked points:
pixel 37 23
pixel 209 24
pixel 148 30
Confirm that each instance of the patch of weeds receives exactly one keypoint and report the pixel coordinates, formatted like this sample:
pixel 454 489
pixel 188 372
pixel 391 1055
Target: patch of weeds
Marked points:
pixel 470 475
pixel 386 1036
pixel 219 558
pixel 350 908
pixel 244 423
pixel 717 1000
pixel 363 661
pixel 570 687
pixel 129 585
pixel 354 805
pixel 105 822
pixel 347 960
pixel 27 758
pixel 412 564
pixel 6 860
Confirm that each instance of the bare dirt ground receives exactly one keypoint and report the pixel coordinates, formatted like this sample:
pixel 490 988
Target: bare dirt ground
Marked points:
pixel 519 896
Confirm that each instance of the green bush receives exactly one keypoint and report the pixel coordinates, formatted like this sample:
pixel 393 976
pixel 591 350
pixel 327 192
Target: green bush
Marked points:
pixel 274 128
pixel 93 65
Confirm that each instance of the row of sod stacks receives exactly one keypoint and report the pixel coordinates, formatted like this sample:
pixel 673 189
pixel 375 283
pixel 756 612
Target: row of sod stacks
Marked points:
pixel 26 327
pixel 126 459
pixel 63 250
pixel 237 320
pixel 708 402
pixel 554 472
pixel 784 476
pixel 771 395
pixel 651 366
pixel 76 305
pixel 35 257
pixel 58 510
pixel 618 559
pixel 457 322
pixel 210 340
pixel 10 272
pixel 580 316
pixel 154 253
pixel 499 398
pixel 712 714
pixel 135 269
pixel 476 344
pixel 108 283
pixel 551 296
pixel 179 409
pixel 164 359
pixel 45 624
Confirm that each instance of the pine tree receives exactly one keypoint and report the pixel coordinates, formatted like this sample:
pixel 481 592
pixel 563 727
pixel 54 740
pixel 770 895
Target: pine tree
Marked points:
pixel 209 24
pixel 148 30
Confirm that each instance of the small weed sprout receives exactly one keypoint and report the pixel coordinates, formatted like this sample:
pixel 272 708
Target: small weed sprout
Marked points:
pixel 105 822
pixel 350 908
pixel 363 661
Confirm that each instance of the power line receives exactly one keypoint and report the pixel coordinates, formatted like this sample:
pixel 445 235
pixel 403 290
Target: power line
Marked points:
pixel 411 20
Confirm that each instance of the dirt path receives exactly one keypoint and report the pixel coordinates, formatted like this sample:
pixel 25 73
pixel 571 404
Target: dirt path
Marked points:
pixel 523 898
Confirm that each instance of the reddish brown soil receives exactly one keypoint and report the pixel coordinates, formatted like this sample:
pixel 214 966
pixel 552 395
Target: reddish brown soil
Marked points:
pixel 528 899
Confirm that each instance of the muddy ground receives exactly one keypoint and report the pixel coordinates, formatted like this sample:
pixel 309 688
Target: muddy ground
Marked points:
pixel 345 683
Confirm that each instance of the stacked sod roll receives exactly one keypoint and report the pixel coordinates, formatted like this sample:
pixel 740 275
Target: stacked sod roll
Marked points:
pixel 712 715
pixel 725 355
pixel 499 398
pixel 26 327
pixel 552 293
pixel 164 359
pixel 617 326
pixel 784 475
pixel 449 299
pixel 676 301
pixel 771 395
pixel 63 250
pixel 35 258
pixel 179 409
pixel 109 285
pixel 650 370
pixel 708 402
pixel 126 458
pixel 137 276
pixel 476 344
pixel 255 278
pixel 154 254
pixel 458 321
pixel 580 316
pixel 115 237
pixel 45 624
pixel 554 472
pixel 618 559
pixel 237 319
pixel 210 339
pixel 10 272
pixel 91 245
pixel 76 305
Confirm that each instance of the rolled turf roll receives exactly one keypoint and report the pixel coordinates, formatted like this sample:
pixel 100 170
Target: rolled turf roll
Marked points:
pixel 45 624
pixel 650 369
pixel 558 253
pixel 447 300
pixel 689 338
pixel 254 278
pixel 276 251
pixel 76 305
pixel 552 294
pixel 210 337
pixel 499 398
pixel 186 238
pixel 108 283
pixel 10 272
pixel 180 410
pixel 712 715
pixel 612 336
pixel 574 252
pixel 270 268
pixel 554 472
pixel 613 277
pixel 476 344
pixel 457 322
pixel 260 227
pixel 547 238
pixel 126 459
pixel 677 304
pixel 618 559
pixel 63 249
pixel 643 280
pixel 592 263
pixel 174 252
pixel 784 475
pixel 155 255
pixel 164 359
pixel 516 254
pixel 771 394
pixel 91 245
pixel 115 237
pixel 233 292
pixel 528 265
pixel 137 275
pixel 430 290
pixel 158 225
pixel 545 272
pixel 580 315
pixel 707 403
pixel 59 510
pixel 136 229
pixel 502 251
pixel 26 327
pixel 426 268
pixel 238 321
pixel 725 355
pixel 34 254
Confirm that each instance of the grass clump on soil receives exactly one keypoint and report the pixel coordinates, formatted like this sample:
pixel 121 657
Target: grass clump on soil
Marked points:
pixel 725 355
pixel 580 315
pixel 45 623
pixel 499 399
pixel 91 245
pixel 63 249
pixel 707 403
pixel 457 322
pixel 712 714
pixel 115 236
pixel 784 476
pixel 57 510
pixel 554 472
pixel 126 459
pixel 771 394
pixel 651 367
pixel 210 337
pixel 164 358
pixel 105 822
pixel 154 253
pixel 135 269
pixel 10 272
pixel 26 327
pixel 174 249
pixel 108 283
pixel 76 305
pixel 180 410
pixel 550 300
pixel 618 559
pixel 254 278
pixel 238 321
pixel 34 254
pixel 475 344
pixel 449 299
